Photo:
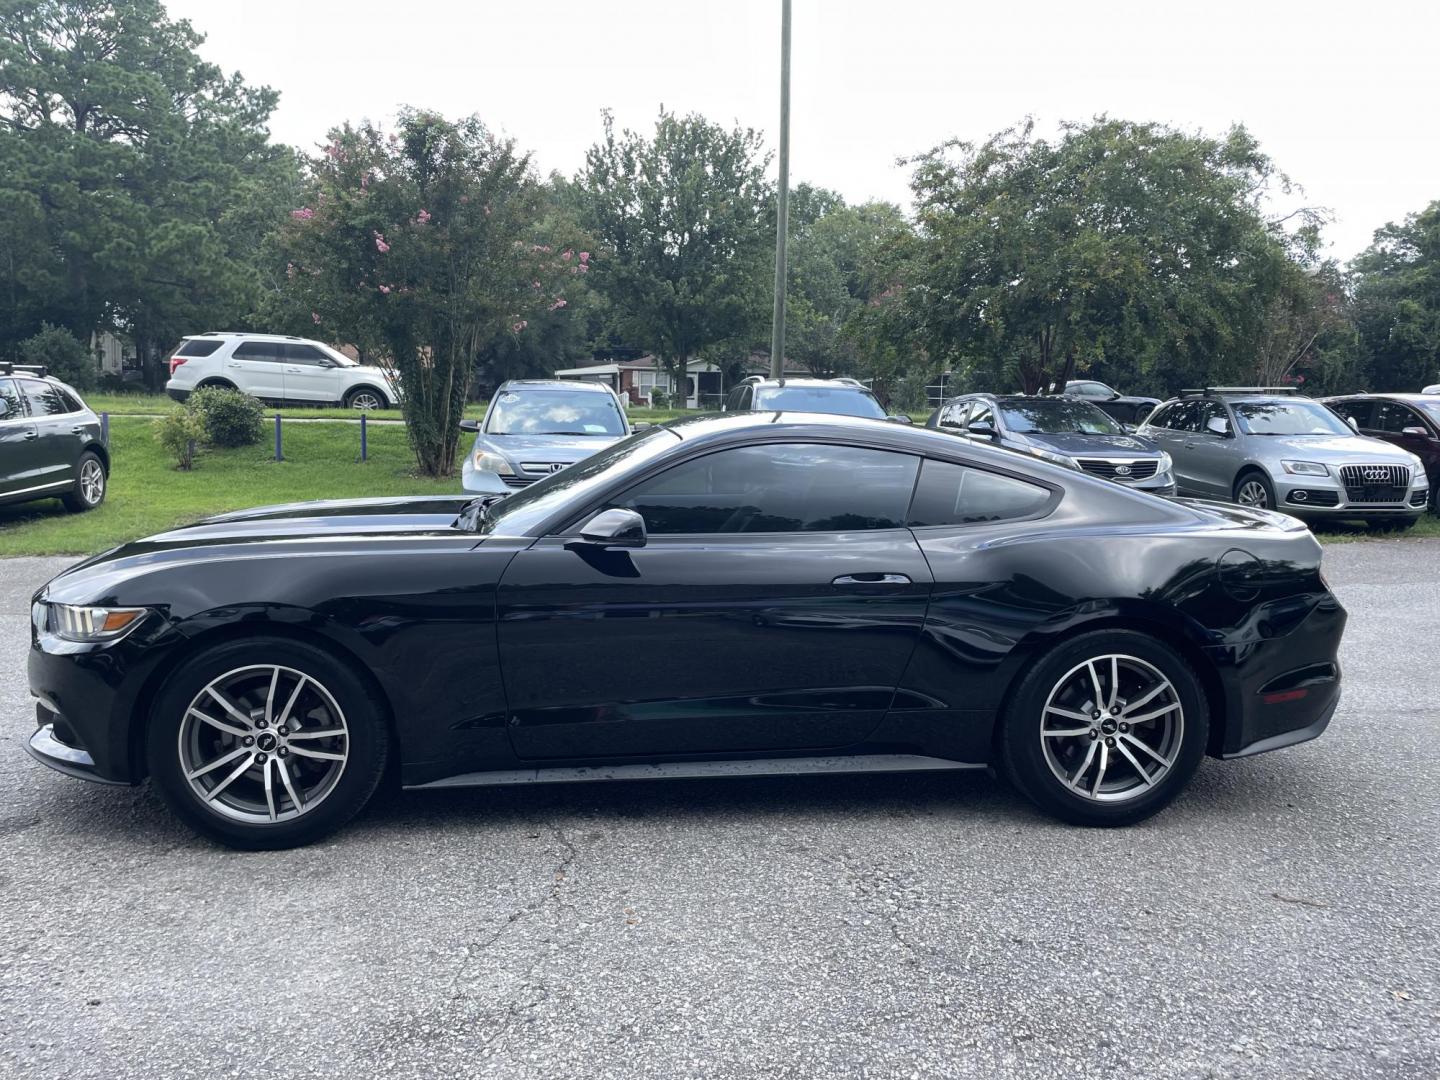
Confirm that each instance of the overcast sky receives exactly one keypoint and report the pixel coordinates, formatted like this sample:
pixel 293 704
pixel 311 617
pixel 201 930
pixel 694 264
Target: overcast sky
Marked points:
pixel 1344 98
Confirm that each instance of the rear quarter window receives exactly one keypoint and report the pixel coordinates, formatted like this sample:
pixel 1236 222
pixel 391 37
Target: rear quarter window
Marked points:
pixel 948 494
pixel 198 347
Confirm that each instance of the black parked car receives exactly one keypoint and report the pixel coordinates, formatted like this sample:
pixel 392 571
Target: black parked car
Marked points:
pixel 51 444
pixel 742 594
pixel 1128 409
pixel 1068 431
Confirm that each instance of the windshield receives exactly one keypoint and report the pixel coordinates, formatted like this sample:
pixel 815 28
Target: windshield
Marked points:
pixel 1057 416
pixel 1289 418
pixel 555 412
pixel 1430 409
pixel 839 400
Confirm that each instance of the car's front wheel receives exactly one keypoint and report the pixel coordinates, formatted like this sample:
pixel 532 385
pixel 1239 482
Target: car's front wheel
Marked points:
pixel 266 743
pixel 1254 489
pixel 89 489
pixel 365 399
pixel 1106 729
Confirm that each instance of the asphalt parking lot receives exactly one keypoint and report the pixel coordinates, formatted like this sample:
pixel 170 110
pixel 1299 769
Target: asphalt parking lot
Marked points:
pixel 1281 920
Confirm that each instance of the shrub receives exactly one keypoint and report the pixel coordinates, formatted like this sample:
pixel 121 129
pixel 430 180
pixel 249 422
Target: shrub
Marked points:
pixel 658 398
pixel 229 418
pixel 63 354
pixel 179 432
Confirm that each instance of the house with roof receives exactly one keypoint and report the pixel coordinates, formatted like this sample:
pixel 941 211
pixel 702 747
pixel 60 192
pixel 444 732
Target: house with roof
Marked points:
pixel 637 379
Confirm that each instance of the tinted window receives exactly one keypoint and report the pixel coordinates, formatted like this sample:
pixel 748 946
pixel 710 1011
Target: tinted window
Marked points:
pixel 958 495
pixel 732 400
pixel 198 347
pixel 1057 416
pixel 69 400
pixel 10 395
pixel 555 412
pixel 1357 410
pixel 1090 389
pixel 840 400
pixel 257 351
pixel 1289 418
pixel 44 399
pixel 1394 418
pixel 1184 416
pixel 953 415
pixel 1210 412
pixel 305 354
pixel 782 487
pixel 981 413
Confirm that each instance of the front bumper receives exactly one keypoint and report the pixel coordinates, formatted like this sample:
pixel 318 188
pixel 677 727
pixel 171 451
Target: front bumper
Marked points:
pixel 1326 496
pixel 46 747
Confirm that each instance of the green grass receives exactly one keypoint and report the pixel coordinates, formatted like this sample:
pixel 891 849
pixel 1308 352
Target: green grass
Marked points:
pixel 154 404
pixel 148 494
pixel 1344 532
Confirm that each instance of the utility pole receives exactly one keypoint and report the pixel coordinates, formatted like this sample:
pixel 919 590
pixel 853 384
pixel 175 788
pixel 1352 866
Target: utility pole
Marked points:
pixel 782 209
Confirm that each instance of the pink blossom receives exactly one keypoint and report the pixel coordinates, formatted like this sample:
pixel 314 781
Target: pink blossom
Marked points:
pixel 422 217
pixel 558 304
pixel 315 317
pixel 521 325
pixel 584 256
pixel 380 244
pixel 385 289
pixel 303 214
pixel 566 254
pixel 583 268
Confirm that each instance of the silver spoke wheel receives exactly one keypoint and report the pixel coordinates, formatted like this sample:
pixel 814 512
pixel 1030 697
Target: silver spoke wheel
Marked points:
pixel 365 401
pixel 92 481
pixel 1112 728
pixel 263 744
pixel 1252 493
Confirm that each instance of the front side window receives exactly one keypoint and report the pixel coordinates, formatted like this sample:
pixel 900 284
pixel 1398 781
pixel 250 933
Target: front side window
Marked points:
pixel 1357 410
pixel 1092 390
pixel 555 412
pixel 43 398
pixel 1213 419
pixel 1392 417
pixel 1184 416
pixel 1057 416
pixel 1289 418
pixel 306 354
pixel 837 400
pixel 959 495
pixel 777 488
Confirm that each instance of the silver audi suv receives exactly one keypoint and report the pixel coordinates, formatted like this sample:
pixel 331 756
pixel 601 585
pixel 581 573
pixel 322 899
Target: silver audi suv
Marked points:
pixel 1269 448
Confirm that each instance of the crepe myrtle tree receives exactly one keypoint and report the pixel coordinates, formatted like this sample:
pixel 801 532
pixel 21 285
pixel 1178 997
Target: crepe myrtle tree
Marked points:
pixel 417 245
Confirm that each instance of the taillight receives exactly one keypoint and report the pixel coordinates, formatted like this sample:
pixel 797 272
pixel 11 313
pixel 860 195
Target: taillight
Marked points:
pixel 175 362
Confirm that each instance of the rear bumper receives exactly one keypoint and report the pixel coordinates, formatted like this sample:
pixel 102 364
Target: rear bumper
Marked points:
pixel 1282 690
pixel 177 394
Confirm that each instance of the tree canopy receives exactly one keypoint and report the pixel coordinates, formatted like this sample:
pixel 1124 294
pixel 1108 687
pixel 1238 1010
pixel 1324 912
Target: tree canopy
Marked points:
pixel 1397 302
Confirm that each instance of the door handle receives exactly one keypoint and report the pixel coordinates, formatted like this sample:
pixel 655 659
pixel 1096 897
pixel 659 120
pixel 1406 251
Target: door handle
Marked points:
pixel 32 434
pixel 78 429
pixel 1189 446
pixel 294 371
pixel 871 579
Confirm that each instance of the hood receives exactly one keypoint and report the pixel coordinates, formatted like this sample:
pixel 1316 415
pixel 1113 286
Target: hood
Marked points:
pixel 566 448
pixel 1334 449
pixel 291 523
pixel 1081 445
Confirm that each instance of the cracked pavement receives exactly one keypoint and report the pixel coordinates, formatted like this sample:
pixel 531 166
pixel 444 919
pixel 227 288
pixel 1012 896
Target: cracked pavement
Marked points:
pixel 1282 919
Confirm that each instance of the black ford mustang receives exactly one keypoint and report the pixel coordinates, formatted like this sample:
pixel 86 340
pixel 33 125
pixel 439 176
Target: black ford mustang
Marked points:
pixel 746 594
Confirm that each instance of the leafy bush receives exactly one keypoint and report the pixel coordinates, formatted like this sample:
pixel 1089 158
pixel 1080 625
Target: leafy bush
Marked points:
pixel 63 354
pixel 658 398
pixel 229 417
pixel 180 432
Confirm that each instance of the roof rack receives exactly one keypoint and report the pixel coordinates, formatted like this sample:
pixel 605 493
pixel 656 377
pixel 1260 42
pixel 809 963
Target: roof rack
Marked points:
pixel 1215 391
pixel 7 368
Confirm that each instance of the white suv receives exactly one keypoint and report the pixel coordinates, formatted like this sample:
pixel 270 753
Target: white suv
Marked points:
pixel 292 370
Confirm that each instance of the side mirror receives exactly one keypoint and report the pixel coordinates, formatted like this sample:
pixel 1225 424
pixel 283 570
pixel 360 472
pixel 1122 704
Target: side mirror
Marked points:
pixel 1354 424
pixel 1218 425
pixel 642 425
pixel 470 425
pixel 1416 432
pixel 616 527
pixel 982 428
pixel 899 418
pixel 1128 429
pixel 326 362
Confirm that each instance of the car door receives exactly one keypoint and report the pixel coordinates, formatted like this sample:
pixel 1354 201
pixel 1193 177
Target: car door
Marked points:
pixel 1165 428
pixel 309 374
pixel 56 446
pixel 258 368
pixel 1211 461
pixel 773 607
pixel 19 458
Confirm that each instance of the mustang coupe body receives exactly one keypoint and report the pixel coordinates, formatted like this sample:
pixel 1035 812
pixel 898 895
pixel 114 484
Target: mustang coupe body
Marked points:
pixel 749 593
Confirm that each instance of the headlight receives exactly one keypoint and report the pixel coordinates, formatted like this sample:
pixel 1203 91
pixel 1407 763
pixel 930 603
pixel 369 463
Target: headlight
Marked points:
pixel 492 463
pixel 1305 468
pixel 70 623
pixel 1054 458
pixel 1166 462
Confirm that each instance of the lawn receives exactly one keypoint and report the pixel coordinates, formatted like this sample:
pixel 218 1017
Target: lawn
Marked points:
pixel 148 494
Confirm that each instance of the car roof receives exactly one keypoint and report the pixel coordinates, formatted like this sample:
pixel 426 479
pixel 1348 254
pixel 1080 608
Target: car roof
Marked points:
pixel 511 385
pixel 238 334
pixel 1416 399
pixel 832 384
pixel 987 396
pixel 915 438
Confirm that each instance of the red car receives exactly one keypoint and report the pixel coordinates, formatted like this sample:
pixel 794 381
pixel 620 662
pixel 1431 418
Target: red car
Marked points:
pixel 1411 421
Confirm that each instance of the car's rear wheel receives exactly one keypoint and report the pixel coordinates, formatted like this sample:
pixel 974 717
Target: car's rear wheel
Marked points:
pixel 266 743
pixel 1106 729
pixel 217 384
pixel 89 489
pixel 365 399
pixel 1254 489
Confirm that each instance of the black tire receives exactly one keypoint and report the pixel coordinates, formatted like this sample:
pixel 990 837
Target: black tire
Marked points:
pixel 91 481
pixel 217 384
pixel 1254 476
pixel 353 398
pixel 366 743
pixel 1022 749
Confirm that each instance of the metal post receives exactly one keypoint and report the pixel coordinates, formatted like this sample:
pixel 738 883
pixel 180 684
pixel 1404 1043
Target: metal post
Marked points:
pixel 363 448
pixel 782 209
pixel 278 455
pixel 105 430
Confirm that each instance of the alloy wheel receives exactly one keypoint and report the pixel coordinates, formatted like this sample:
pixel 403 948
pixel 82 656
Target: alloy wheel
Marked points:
pixel 263 744
pixel 1112 728
pixel 92 482
pixel 365 401
pixel 1252 493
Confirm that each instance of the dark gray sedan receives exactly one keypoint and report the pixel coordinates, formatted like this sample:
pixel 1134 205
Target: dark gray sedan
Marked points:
pixel 51 445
